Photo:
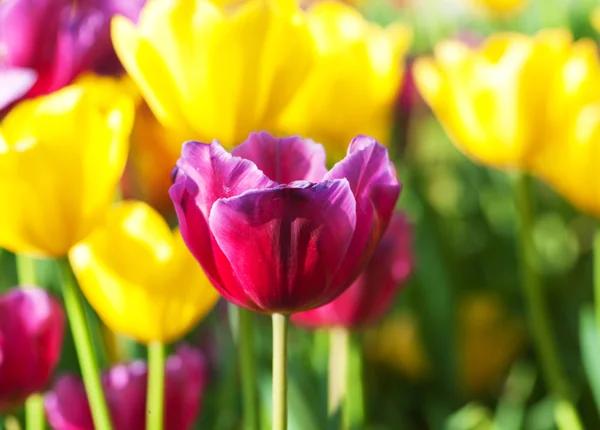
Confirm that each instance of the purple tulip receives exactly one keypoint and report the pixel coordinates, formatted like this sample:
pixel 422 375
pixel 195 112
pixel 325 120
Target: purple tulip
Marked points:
pixel 59 39
pixel 272 228
pixel 374 291
pixel 124 386
pixel 31 330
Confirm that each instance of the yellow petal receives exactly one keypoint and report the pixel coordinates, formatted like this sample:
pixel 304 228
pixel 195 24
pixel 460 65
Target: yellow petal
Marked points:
pixel 501 7
pixel 213 71
pixel 492 100
pixel 61 160
pixel 139 276
pixel 570 157
pixel 353 83
pixel 148 70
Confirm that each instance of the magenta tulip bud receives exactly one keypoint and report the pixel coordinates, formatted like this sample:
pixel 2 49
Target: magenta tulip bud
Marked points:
pixel 31 331
pixel 275 231
pixel 374 291
pixel 124 386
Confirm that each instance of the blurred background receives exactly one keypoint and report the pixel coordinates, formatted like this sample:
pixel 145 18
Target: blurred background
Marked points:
pixel 454 352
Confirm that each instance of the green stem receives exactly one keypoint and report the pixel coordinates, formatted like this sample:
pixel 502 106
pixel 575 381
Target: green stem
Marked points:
pixel 84 349
pixel 26 270
pixel 597 274
pixel 280 323
pixel 34 405
pixel 156 386
pixel 338 368
pixel 354 411
pixel 247 363
pixel 543 336
pixel 34 412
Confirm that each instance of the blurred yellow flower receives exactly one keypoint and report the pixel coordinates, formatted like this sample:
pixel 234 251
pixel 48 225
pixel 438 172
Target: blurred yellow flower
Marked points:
pixel 216 72
pixel 489 340
pixel 61 157
pixel 492 100
pixel 530 103
pixel 570 157
pixel 501 7
pixel 354 81
pixel 154 151
pixel 140 277
pixel 595 19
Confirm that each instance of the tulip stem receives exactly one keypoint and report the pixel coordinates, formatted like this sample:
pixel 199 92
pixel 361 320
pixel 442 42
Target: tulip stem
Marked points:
pixel 34 412
pixel 26 270
pixel 345 378
pixel 544 341
pixel 280 323
pixel 354 411
pixel 34 405
pixel 247 365
pixel 597 274
pixel 83 346
pixel 338 368
pixel 156 386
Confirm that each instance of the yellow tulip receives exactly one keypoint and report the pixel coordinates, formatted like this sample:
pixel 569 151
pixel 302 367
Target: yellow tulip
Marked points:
pixel 216 72
pixel 529 103
pixel 570 158
pixel 501 7
pixel 492 100
pixel 354 81
pixel 595 19
pixel 139 276
pixel 61 157
pixel 154 151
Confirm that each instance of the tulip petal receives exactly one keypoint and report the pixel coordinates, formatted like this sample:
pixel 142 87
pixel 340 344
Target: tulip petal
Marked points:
pixel 373 292
pixel 284 160
pixel 286 244
pixel 125 387
pixel 139 277
pixel 31 329
pixel 373 181
pixel 68 390
pixel 81 40
pixel 14 84
pixel 205 173
pixel 27 30
pixel 149 71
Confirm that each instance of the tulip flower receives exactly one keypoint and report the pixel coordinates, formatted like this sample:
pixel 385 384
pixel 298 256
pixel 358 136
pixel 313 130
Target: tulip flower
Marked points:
pixel 570 156
pixel 373 292
pixel 125 389
pixel 493 99
pixel 274 231
pixel 154 152
pixel 139 276
pixel 31 330
pixel 504 111
pixel 352 87
pixel 501 7
pixel 61 157
pixel 216 72
pixel 59 39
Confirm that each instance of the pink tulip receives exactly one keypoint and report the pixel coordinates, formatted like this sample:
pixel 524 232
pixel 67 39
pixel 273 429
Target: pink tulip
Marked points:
pixel 372 294
pixel 124 386
pixel 272 228
pixel 56 40
pixel 31 330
